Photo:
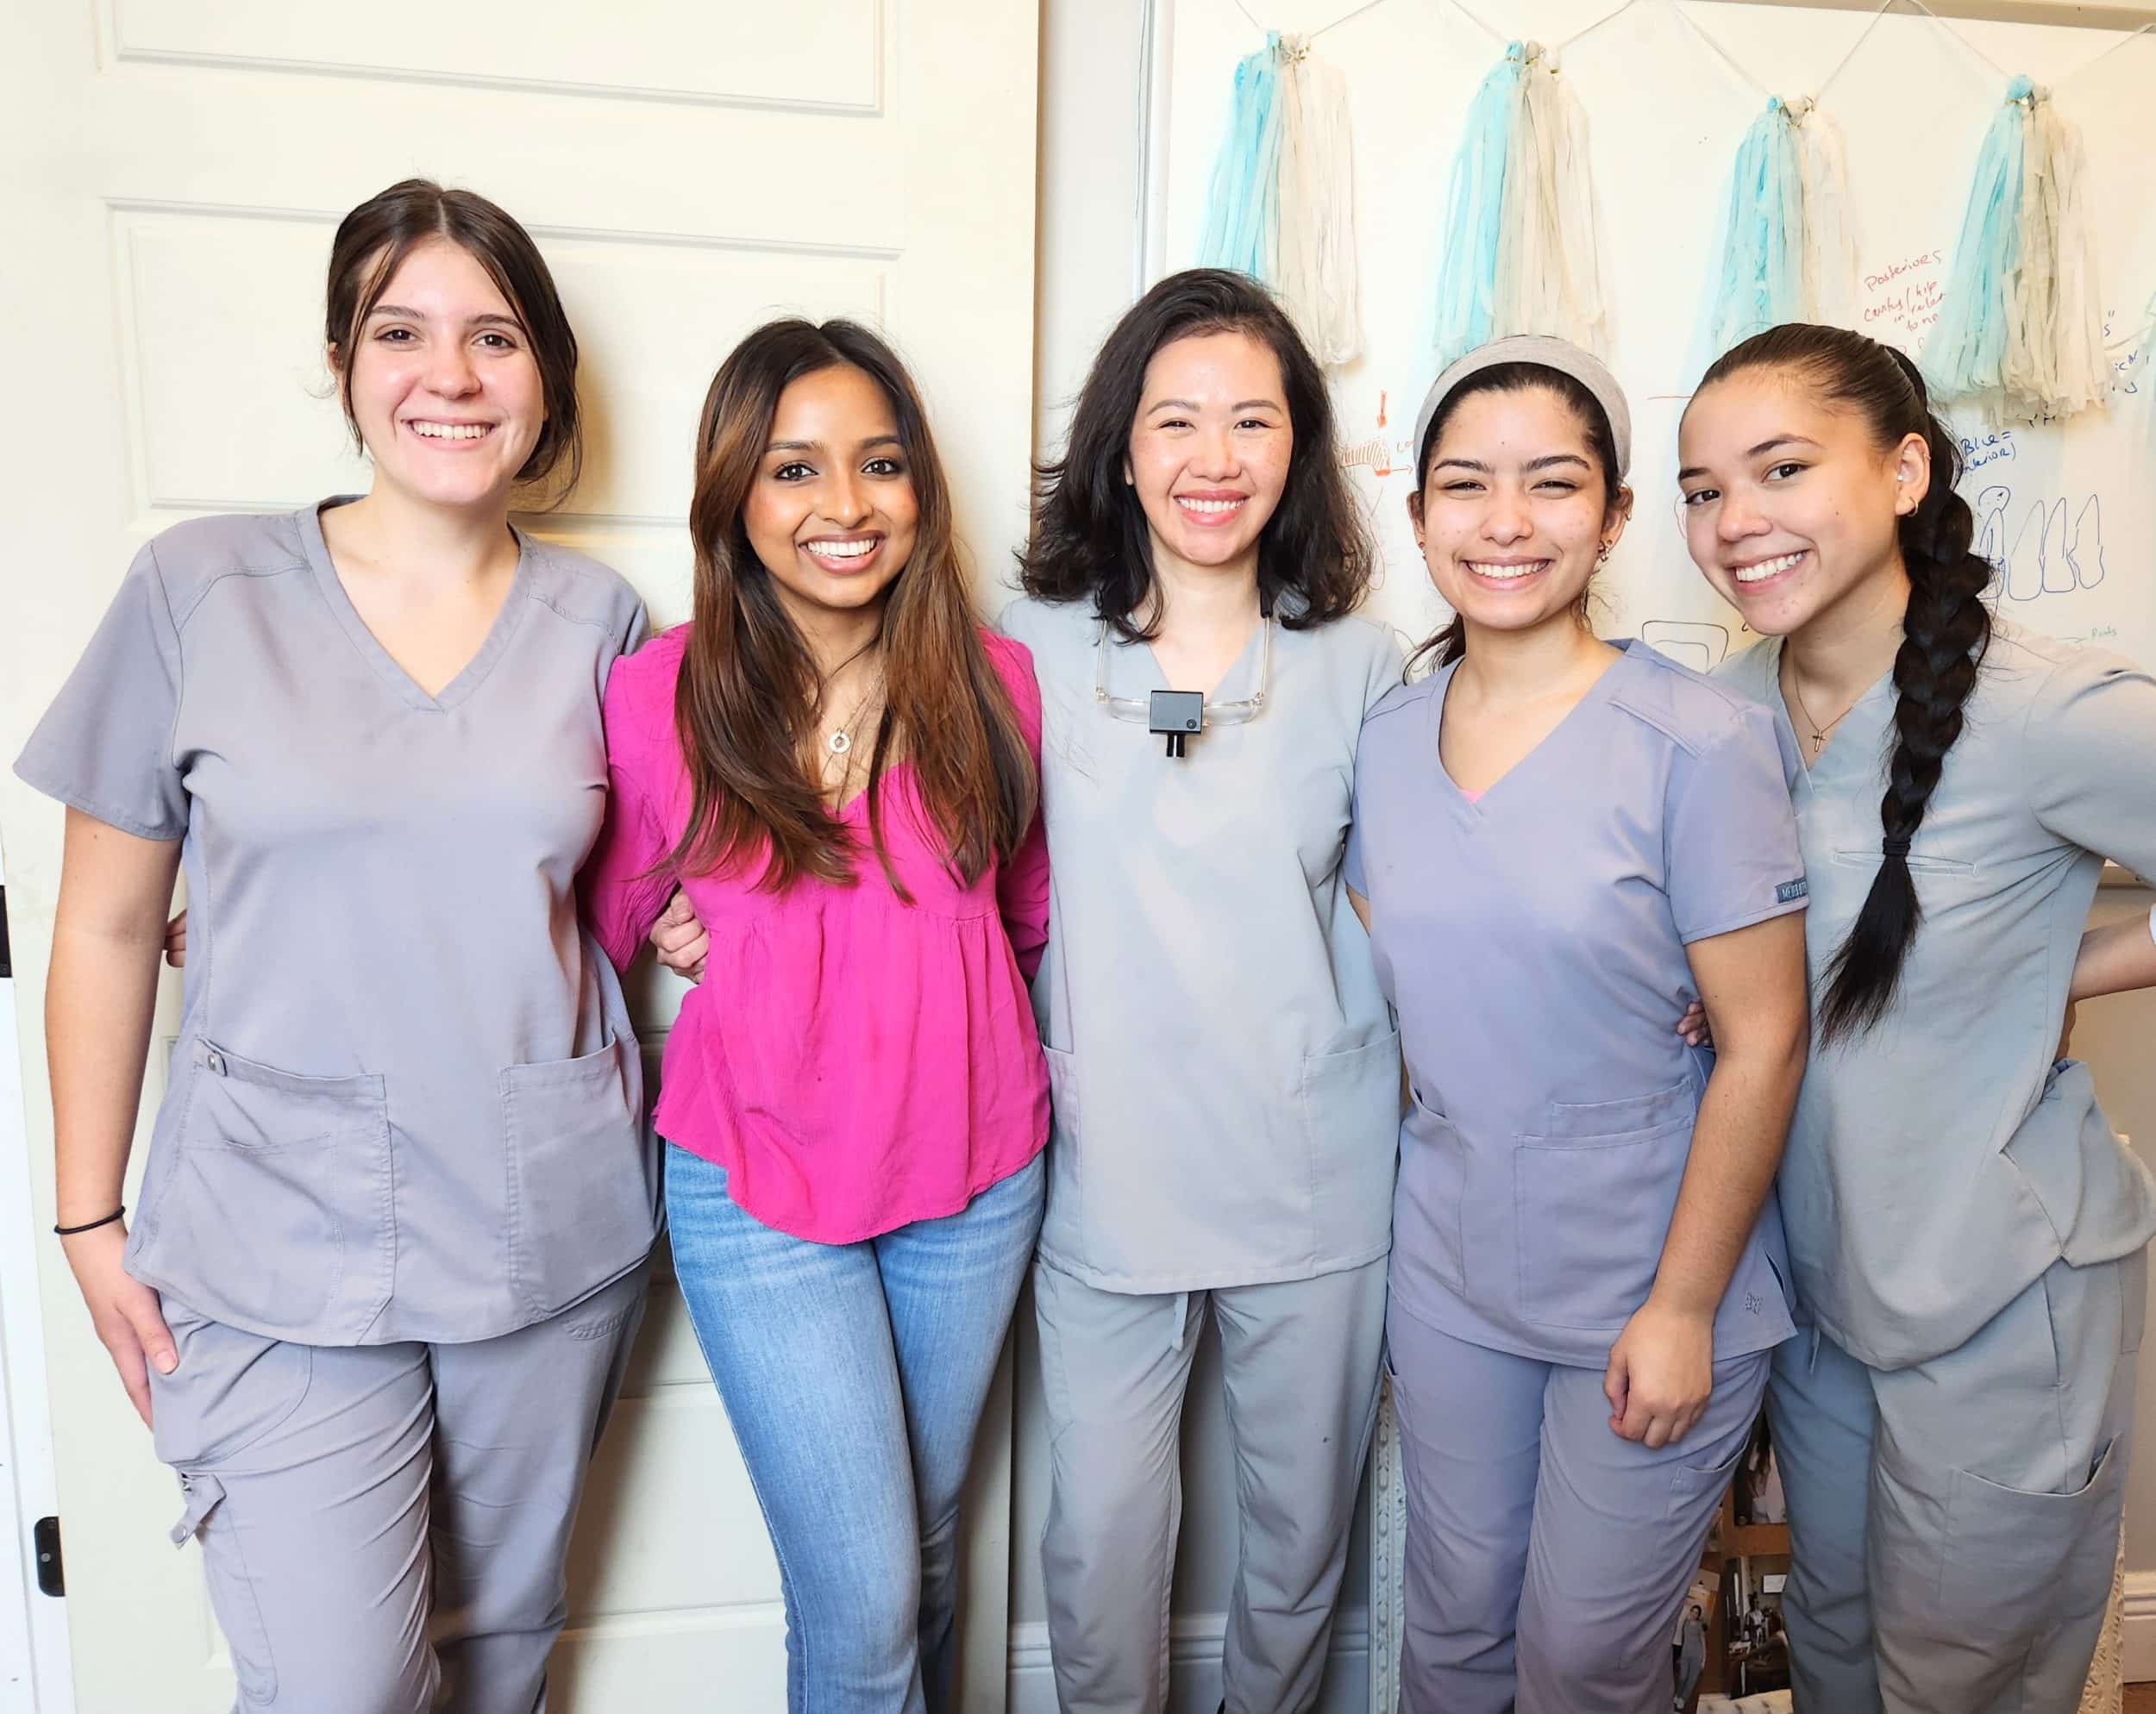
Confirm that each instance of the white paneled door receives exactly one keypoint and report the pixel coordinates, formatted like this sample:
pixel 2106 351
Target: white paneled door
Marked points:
pixel 171 172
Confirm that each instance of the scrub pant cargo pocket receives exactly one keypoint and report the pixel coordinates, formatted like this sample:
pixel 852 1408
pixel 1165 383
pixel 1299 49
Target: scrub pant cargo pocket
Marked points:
pixel 1954 1525
pixel 383 1528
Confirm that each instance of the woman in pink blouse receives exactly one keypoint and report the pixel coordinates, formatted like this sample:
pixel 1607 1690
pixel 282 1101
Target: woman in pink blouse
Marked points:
pixel 840 770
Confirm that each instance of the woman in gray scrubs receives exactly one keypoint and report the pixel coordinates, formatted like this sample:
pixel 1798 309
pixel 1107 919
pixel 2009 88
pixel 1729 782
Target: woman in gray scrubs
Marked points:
pixel 390 1247
pixel 1557 840
pixel 1226 1076
pixel 1967 1233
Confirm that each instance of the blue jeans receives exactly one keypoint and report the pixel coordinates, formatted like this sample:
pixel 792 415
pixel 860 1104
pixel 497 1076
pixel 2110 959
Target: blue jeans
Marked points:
pixel 854 1376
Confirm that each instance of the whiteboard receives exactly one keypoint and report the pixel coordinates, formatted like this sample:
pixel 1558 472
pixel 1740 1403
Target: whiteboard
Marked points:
pixel 2068 513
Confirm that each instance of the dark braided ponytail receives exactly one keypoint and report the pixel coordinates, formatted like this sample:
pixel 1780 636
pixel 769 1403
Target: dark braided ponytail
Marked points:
pixel 1945 634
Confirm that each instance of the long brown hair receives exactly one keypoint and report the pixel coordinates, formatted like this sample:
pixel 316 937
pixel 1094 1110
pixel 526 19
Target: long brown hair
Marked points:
pixel 748 698
pixel 371 245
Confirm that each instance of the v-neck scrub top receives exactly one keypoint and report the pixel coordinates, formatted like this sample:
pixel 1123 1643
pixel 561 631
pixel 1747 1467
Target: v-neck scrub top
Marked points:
pixel 1534 943
pixel 406 1102
pixel 1940 1161
pixel 1225 1074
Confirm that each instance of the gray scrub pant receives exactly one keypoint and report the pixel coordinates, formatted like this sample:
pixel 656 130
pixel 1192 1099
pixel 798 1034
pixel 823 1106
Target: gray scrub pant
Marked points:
pixel 1299 1365
pixel 384 1527
pixel 1547 1557
pixel 1954 1524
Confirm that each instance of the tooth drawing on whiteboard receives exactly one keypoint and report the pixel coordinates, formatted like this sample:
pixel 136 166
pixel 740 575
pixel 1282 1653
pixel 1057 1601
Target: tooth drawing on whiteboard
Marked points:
pixel 2086 555
pixel 2033 573
pixel 2046 556
pixel 1991 504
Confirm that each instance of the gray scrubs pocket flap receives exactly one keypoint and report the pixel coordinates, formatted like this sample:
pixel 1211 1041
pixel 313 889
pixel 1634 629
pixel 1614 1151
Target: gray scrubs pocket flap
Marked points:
pixel 1062 1091
pixel 1584 1121
pixel 246 1105
pixel 202 1494
pixel 581 1184
pixel 1429 1233
pixel 2010 1555
pixel 1691 1483
pixel 1919 862
pixel 231 1588
pixel 276 1216
pixel 1351 1112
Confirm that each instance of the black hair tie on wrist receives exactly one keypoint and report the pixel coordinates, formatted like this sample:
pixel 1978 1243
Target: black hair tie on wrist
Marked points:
pixel 1894 847
pixel 91 1225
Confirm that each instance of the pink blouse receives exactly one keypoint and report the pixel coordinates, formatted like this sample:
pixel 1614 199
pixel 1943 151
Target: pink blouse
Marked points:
pixel 853 1062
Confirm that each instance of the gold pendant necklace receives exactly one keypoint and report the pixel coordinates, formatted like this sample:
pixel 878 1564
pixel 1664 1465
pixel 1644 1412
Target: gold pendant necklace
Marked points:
pixel 1819 732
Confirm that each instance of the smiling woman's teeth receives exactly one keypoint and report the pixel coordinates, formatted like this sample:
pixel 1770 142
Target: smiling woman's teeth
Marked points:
pixel 1767 568
pixel 841 550
pixel 450 431
pixel 1505 573
pixel 1210 505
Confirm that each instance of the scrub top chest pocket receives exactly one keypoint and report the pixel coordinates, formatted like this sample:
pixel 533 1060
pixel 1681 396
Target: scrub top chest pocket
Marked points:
pixel 292 1173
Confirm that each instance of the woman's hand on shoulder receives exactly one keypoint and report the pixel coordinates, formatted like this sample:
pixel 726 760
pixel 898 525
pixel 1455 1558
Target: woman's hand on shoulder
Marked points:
pixel 679 941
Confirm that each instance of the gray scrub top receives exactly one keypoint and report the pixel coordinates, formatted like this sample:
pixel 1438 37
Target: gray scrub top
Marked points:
pixel 1225 1073
pixel 1940 1163
pixel 1534 943
pixel 406 1101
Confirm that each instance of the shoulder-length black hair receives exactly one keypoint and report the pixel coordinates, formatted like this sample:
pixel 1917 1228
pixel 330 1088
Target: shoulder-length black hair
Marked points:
pixel 1090 542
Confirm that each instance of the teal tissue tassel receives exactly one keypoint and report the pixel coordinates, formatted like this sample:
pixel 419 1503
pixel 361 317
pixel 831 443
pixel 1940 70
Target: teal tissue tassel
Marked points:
pixel 1965 356
pixel 2021 331
pixel 1280 204
pixel 1761 285
pixel 1475 211
pixel 1242 201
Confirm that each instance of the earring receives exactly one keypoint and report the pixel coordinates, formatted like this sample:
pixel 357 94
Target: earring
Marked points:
pixel 1602 558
